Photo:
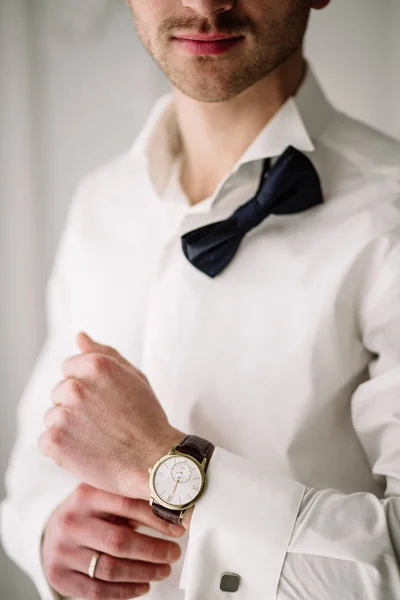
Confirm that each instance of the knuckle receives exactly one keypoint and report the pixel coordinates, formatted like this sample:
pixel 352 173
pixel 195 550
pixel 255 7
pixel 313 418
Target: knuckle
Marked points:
pixel 65 520
pixel 107 567
pixel 146 572
pixel 82 493
pixel 164 549
pixel 142 573
pixel 116 541
pixel 142 544
pixel 62 417
pixel 94 592
pixel 127 505
pixel 99 363
pixel 58 544
pixel 58 538
pixel 54 572
pixel 55 435
pixel 154 550
pixel 74 388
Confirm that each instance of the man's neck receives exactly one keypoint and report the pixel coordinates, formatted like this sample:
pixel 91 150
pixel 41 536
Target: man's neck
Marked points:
pixel 215 135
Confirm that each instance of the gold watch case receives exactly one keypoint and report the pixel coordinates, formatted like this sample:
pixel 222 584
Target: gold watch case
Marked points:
pixel 154 497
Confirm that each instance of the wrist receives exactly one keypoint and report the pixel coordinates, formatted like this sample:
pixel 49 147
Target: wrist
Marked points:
pixel 163 446
pixel 201 451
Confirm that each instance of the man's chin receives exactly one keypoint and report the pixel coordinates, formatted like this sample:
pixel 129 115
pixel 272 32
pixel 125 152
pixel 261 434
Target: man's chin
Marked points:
pixel 208 89
pixel 210 94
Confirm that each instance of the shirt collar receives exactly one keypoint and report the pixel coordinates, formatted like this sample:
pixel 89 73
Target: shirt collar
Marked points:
pixel 299 121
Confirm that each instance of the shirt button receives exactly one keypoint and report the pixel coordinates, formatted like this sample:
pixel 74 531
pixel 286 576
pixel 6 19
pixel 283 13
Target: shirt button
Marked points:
pixel 229 582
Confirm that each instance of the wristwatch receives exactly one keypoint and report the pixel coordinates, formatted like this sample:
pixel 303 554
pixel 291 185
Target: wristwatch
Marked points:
pixel 178 479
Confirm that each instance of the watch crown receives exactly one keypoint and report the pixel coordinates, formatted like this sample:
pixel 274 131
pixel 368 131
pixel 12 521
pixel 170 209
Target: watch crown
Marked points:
pixel 149 469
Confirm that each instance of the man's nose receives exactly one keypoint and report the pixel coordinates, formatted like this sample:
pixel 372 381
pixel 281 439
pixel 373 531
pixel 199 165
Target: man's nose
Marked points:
pixel 207 8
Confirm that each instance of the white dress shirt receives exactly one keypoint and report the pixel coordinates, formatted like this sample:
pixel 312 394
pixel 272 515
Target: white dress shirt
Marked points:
pixel 288 361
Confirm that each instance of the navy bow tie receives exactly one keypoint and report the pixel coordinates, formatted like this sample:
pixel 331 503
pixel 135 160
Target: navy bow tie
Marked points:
pixel 291 186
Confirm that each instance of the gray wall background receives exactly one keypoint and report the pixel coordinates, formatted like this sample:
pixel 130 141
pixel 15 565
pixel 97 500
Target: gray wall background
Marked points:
pixel 75 87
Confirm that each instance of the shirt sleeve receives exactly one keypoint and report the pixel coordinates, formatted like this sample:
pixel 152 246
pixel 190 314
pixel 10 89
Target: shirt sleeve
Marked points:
pixel 288 541
pixel 35 485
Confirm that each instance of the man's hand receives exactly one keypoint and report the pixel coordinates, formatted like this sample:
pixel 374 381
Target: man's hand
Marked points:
pixel 107 426
pixel 90 520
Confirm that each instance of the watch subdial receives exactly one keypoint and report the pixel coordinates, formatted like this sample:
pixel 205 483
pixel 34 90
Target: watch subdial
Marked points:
pixel 181 472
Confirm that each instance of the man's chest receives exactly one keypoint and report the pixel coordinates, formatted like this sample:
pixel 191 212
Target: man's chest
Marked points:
pixel 258 357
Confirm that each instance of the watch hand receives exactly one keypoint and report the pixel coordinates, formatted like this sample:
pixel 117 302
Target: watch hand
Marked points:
pixel 174 488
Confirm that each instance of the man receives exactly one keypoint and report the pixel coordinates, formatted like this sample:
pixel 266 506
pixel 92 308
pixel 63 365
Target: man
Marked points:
pixel 271 339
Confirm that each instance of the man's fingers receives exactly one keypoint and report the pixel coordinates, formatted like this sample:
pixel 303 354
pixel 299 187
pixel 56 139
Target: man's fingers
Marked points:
pixel 87 344
pixel 90 365
pixel 143 513
pixel 73 584
pixel 128 508
pixel 124 542
pixel 110 351
pixel 115 570
pixel 78 365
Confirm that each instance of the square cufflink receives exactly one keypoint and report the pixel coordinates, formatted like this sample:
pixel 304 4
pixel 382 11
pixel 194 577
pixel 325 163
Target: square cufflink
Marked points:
pixel 229 582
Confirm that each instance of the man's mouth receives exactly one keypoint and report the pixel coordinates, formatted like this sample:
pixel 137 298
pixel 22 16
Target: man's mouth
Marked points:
pixel 199 44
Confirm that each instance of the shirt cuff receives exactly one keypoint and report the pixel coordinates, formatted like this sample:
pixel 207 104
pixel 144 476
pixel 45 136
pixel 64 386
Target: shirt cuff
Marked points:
pixel 242 524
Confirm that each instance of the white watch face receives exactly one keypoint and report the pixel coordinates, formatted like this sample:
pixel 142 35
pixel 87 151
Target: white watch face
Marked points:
pixel 177 480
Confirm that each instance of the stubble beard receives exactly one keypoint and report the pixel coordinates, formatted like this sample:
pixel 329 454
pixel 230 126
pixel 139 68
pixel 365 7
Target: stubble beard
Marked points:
pixel 221 78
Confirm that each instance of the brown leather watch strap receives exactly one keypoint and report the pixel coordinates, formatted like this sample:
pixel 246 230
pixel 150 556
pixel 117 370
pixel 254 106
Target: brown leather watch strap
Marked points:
pixel 199 448
pixel 173 516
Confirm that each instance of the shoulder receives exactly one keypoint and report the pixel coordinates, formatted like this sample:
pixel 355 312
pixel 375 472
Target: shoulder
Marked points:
pixel 369 150
pixel 110 195
pixel 112 176
pixel 125 174
pixel 360 173
pixel 98 198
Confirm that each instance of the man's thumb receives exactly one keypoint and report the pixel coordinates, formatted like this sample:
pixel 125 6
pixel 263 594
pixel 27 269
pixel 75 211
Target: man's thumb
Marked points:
pixel 85 342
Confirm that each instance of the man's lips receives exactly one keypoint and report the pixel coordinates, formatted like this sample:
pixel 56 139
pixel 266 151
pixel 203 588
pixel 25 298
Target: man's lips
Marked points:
pixel 201 44
pixel 203 37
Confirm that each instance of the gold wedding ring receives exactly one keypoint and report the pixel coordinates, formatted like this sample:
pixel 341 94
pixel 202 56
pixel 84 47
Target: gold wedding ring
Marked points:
pixel 93 564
